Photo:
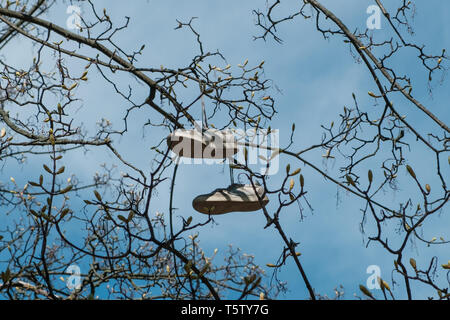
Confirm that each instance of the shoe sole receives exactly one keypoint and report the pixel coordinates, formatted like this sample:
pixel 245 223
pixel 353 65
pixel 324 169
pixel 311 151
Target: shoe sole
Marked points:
pixel 220 207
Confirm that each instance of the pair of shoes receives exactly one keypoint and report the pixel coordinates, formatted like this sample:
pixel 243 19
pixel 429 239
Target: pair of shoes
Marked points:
pixel 215 144
pixel 237 197
pixel 208 144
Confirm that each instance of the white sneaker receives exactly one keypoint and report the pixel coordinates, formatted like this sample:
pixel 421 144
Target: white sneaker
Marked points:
pixel 237 197
pixel 211 144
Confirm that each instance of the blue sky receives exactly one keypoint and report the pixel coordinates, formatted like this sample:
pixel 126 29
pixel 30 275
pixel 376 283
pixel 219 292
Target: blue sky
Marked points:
pixel 317 78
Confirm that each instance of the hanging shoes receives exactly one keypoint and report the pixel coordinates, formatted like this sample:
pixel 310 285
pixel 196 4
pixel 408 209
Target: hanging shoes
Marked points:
pixel 237 197
pixel 203 142
pixel 209 144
